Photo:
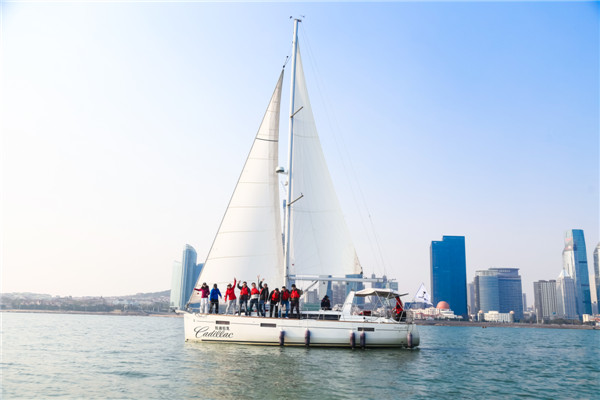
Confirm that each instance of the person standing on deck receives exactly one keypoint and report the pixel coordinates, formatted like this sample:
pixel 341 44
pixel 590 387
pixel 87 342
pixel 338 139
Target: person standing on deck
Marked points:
pixel 295 300
pixel 399 313
pixel 285 301
pixel 244 296
pixel 215 293
pixel 254 295
pixel 204 292
pixel 274 302
pixel 230 297
pixel 263 298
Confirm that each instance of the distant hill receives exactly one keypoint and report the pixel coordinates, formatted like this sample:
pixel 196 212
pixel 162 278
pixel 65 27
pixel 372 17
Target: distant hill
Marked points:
pixel 154 302
pixel 138 296
pixel 151 295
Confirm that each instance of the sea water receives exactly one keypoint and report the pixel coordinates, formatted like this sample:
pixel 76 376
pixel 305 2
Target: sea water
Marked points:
pixel 126 357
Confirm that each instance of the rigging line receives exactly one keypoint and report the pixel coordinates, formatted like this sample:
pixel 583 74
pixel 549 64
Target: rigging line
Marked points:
pixel 335 129
pixel 375 236
pixel 375 250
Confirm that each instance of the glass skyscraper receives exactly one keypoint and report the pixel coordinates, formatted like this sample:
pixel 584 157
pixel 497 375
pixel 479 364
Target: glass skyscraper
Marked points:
pixel 575 263
pixel 499 289
pixel 449 273
pixel 185 275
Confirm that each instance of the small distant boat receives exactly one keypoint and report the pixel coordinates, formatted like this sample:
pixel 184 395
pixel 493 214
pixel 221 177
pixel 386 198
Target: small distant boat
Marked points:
pixel 316 245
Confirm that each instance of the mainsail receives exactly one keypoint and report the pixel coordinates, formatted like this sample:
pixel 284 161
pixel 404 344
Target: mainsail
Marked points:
pixel 248 242
pixel 320 243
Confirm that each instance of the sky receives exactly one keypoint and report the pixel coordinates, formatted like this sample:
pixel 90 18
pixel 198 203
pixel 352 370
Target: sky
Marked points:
pixel 125 125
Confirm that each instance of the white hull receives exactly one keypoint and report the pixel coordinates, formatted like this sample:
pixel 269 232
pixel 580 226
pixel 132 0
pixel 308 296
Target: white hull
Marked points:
pixel 293 332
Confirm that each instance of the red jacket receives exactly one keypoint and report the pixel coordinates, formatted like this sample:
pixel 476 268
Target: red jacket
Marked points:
pixel 285 295
pixel 399 307
pixel 295 294
pixel 230 293
pixel 275 296
pixel 244 291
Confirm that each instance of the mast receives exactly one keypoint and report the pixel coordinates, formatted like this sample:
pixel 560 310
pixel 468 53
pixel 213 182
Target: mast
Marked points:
pixel 288 209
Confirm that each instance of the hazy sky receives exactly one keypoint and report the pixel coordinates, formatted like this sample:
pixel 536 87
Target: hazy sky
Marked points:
pixel 125 127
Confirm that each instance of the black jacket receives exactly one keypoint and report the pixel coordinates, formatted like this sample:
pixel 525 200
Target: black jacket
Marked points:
pixel 264 292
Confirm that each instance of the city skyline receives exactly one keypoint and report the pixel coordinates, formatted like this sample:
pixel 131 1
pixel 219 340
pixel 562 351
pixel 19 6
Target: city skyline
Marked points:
pixel 124 128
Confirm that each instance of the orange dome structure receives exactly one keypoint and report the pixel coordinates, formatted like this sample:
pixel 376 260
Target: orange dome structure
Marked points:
pixel 442 305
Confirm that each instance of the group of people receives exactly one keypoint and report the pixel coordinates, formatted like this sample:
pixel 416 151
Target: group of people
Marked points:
pixel 253 298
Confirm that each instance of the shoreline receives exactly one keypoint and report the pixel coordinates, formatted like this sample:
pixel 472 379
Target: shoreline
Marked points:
pixel 117 313
pixel 503 325
pixel 418 322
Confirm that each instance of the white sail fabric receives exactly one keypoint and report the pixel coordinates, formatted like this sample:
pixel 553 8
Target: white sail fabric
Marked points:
pixel 249 241
pixel 320 240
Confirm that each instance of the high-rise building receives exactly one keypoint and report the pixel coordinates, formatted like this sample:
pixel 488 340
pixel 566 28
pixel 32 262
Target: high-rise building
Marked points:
pixel 449 273
pixel 338 293
pixel 355 286
pixel 471 298
pixel 544 293
pixel 487 296
pixel 185 275
pixel 188 265
pixel 499 289
pixel 384 284
pixel 176 292
pixel 524 302
pixel 597 276
pixel 575 263
pixel 565 297
pixel 325 288
pixel 379 285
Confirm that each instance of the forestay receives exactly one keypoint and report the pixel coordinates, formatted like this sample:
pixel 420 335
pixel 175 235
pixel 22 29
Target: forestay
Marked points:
pixel 249 240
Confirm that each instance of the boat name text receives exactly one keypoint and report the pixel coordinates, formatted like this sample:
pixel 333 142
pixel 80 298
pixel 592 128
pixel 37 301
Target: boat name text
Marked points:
pixel 216 332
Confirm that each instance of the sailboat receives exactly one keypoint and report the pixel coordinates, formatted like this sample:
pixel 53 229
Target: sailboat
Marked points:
pixel 316 243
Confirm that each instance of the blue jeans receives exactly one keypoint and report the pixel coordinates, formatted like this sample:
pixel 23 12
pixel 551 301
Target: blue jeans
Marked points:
pixel 244 303
pixel 285 303
pixel 261 308
pixel 253 303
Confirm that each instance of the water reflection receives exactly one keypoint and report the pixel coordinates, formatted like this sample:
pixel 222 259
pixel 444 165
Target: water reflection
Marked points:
pixel 222 370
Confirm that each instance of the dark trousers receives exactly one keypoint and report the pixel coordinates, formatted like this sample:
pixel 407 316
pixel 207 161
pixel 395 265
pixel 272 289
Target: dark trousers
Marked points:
pixel 274 306
pixel 253 302
pixel 243 303
pixel 261 308
pixel 214 303
pixel 295 303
